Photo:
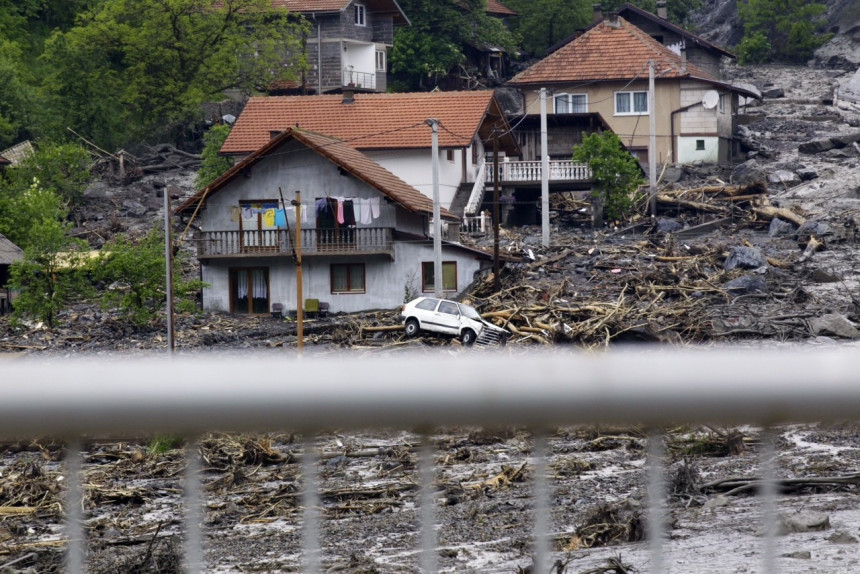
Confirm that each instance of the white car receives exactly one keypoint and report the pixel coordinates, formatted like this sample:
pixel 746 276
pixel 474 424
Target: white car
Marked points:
pixel 450 318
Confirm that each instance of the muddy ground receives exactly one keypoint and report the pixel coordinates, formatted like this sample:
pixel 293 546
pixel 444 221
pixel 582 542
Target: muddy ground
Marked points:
pixel 589 289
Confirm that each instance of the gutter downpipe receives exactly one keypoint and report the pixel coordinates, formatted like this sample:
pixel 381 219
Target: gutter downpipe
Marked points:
pixel 319 54
pixel 672 127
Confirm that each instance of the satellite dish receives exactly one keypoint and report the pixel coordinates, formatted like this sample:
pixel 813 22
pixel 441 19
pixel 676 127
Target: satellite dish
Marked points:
pixel 710 99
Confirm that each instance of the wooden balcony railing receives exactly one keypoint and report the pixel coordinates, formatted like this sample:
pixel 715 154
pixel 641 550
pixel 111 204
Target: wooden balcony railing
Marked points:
pixel 273 242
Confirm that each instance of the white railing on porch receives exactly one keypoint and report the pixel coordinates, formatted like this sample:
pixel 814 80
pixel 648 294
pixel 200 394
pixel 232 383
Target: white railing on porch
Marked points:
pixel 479 223
pixel 531 171
pixel 477 195
pixel 280 241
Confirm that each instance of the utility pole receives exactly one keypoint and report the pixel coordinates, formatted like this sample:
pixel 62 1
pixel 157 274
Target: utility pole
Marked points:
pixel 652 144
pixel 300 305
pixel 496 285
pixel 437 221
pixel 168 259
pixel 544 172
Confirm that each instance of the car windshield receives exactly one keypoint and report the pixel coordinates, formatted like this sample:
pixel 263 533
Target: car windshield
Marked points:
pixel 469 312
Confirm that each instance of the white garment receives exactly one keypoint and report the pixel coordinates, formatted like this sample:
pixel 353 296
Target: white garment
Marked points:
pixel 374 207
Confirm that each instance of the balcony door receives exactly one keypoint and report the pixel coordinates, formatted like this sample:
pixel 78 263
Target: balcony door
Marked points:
pixel 249 291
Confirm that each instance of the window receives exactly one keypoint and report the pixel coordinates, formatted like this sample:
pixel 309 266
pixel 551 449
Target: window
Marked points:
pixel 380 61
pixel 360 15
pixel 571 103
pixel 347 278
pixel 631 103
pixel 249 291
pixel 449 276
pixel 700 144
pixel 449 155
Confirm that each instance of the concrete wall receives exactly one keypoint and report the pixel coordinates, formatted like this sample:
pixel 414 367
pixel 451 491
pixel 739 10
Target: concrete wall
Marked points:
pixel 386 281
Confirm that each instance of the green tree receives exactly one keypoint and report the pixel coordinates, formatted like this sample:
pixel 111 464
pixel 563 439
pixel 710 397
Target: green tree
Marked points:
pixel 24 212
pixel 17 96
pixel 213 164
pixel 615 172
pixel 543 23
pixel 792 29
pixel 135 274
pixel 63 168
pixel 434 44
pixel 52 272
pixel 140 69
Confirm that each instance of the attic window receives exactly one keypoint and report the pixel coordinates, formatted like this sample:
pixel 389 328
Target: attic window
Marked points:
pixel 360 15
pixel 571 103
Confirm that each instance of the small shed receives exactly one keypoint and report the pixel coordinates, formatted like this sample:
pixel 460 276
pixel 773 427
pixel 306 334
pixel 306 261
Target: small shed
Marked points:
pixel 9 254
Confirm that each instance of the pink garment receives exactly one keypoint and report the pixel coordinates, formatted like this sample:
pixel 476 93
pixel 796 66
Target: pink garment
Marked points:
pixel 339 209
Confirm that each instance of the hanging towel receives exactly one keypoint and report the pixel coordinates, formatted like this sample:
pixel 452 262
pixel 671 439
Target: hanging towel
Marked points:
pixel 269 218
pixel 374 207
pixel 339 209
pixel 280 218
pixel 356 211
pixel 348 213
pixel 365 212
pixel 235 213
pixel 247 212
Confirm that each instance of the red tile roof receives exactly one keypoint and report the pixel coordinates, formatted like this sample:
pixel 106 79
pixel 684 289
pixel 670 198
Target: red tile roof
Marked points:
pixel 609 52
pixel 373 121
pixel 341 154
pixel 497 8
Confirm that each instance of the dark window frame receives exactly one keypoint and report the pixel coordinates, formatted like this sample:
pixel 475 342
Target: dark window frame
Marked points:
pixel 348 267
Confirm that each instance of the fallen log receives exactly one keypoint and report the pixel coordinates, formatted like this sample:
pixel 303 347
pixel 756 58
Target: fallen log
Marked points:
pixel 770 212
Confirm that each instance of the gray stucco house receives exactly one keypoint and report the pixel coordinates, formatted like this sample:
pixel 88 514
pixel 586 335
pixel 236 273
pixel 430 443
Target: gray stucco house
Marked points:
pixel 365 235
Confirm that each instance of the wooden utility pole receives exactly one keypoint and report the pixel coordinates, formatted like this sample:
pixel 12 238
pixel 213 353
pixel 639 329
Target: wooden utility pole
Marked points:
pixel 496 284
pixel 168 258
pixel 300 326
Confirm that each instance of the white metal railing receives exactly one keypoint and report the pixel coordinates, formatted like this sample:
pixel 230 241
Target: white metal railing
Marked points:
pixel 477 223
pixel 361 80
pixel 531 171
pixel 185 396
pixel 477 194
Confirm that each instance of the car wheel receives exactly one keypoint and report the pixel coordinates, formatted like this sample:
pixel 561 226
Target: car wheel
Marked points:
pixel 412 327
pixel 468 338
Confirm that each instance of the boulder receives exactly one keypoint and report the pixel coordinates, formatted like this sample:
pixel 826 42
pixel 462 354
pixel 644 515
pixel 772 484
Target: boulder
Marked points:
pixel 745 258
pixel 834 324
pixel 746 284
pixel 783 176
pixel 816 146
pixel 780 228
pixel 773 93
pixel 748 172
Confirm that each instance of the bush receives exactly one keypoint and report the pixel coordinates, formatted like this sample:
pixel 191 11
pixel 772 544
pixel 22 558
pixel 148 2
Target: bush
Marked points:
pixel 616 173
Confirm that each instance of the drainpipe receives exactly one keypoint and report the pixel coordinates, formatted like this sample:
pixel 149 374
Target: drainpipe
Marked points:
pixel 319 54
pixel 672 127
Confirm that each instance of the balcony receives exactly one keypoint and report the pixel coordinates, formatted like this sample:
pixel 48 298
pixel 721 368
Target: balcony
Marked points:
pixel 359 80
pixel 516 172
pixel 279 242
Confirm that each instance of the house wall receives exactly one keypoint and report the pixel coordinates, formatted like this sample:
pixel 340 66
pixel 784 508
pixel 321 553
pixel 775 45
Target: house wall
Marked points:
pixel 386 281
pixel 699 125
pixel 303 170
pixel 333 33
pixel 415 167
pixel 632 130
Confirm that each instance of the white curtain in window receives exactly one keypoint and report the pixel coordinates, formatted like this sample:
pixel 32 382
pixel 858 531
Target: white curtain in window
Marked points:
pixel 260 287
pixel 622 103
pixel 241 284
pixel 640 101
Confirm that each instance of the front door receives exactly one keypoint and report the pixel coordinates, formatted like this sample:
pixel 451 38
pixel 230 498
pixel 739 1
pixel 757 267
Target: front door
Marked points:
pixel 249 291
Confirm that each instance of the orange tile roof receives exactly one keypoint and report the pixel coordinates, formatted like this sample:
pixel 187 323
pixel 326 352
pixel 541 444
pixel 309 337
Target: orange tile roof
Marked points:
pixel 373 121
pixel 499 9
pixel 341 154
pixel 607 52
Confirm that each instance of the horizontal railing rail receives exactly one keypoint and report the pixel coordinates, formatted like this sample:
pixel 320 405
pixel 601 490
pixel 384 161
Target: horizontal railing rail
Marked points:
pixel 315 241
pixel 186 395
pixel 361 80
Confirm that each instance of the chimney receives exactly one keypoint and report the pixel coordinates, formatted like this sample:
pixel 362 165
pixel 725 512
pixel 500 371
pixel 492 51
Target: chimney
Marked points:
pixel 348 96
pixel 598 14
pixel 661 9
pixel 612 20
pixel 683 61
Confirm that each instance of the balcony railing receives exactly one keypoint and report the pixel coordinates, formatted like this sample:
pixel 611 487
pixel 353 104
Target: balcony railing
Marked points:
pixel 315 241
pixel 531 171
pixel 359 80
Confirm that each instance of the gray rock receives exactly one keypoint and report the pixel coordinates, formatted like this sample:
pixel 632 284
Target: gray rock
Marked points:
pixel 800 555
pixel 745 258
pixel 803 522
pixel 834 324
pixel 134 208
pixel 673 174
pixel 773 93
pixel 814 227
pixel 748 172
pixel 816 146
pixel 807 174
pixel 666 225
pixel 746 284
pixel 784 177
pixel 842 537
pixel 779 228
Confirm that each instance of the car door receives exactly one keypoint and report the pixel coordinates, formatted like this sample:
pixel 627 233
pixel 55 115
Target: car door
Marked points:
pixel 447 318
